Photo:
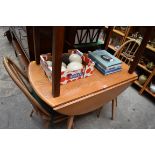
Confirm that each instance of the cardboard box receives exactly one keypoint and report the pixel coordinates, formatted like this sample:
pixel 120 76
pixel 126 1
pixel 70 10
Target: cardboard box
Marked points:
pixel 67 76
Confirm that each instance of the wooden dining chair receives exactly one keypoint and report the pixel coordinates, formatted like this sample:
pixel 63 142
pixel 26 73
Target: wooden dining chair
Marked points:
pixel 125 53
pixel 84 38
pixel 40 107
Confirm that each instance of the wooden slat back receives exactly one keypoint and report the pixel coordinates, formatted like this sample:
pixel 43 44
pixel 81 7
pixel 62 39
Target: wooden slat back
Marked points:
pixel 86 35
pixel 127 51
pixel 22 82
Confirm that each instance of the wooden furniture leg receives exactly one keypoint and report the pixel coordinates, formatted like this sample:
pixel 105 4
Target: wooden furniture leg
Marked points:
pixel 57 50
pixel 70 122
pixel 108 36
pixel 113 108
pixel 36 41
pixel 98 112
pixel 46 124
pixel 31 113
pixel 30 40
pixel 116 101
pixel 59 119
pixel 73 125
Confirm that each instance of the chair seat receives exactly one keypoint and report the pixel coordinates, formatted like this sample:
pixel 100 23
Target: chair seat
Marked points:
pixel 42 103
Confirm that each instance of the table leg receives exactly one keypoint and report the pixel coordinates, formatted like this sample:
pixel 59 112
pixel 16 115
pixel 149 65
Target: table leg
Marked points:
pixel 116 101
pixel 70 122
pixel 98 112
pixel 113 108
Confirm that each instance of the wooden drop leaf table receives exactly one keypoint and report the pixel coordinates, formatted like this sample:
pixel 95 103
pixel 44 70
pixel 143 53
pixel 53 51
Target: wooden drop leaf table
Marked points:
pixel 83 95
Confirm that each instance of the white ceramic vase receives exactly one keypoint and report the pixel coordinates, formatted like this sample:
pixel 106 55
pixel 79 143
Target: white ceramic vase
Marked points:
pixel 75 58
pixel 74 66
pixel 152 87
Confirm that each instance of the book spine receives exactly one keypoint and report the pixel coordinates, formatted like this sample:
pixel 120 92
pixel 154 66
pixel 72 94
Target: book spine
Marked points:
pixel 117 70
pixel 113 70
pixel 106 68
pixel 106 72
pixel 99 68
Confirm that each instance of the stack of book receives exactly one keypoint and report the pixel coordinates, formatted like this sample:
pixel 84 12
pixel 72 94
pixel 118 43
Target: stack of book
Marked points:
pixel 105 62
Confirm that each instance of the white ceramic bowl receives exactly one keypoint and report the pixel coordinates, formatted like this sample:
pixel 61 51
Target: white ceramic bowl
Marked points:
pixel 75 57
pixel 74 66
pixel 49 63
pixel 63 64
pixel 63 69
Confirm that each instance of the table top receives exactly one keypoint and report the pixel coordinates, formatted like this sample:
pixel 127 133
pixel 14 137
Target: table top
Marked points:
pixel 75 89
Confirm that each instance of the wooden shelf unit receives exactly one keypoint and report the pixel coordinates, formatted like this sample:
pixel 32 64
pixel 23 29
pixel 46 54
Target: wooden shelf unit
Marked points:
pixel 138 84
pixel 140 65
pixel 147 90
pixel 119 32
pixel 112 47
pixel 143 67
pixel 145 86
pixel 148 46
pixel 151 73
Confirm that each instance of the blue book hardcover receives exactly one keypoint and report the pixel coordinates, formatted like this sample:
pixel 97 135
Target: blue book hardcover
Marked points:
pixel 100 57
pixel 106 72
pixel 107 69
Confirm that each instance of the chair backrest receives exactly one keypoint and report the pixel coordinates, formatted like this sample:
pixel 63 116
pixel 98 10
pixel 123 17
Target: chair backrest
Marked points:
pixel 82 35
pixel 87 34
pixel 22 82
pixel 127 51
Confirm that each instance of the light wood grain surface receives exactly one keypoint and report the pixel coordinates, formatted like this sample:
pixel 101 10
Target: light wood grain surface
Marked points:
pixel 76 89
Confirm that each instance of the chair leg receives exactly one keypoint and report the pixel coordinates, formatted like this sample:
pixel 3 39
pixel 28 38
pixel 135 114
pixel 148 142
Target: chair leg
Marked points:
pixel 31 113
pixel 58 120
pixel 70 122
pixel 73 125
pixel 98 112
pixel 113 108
pixel 46 124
